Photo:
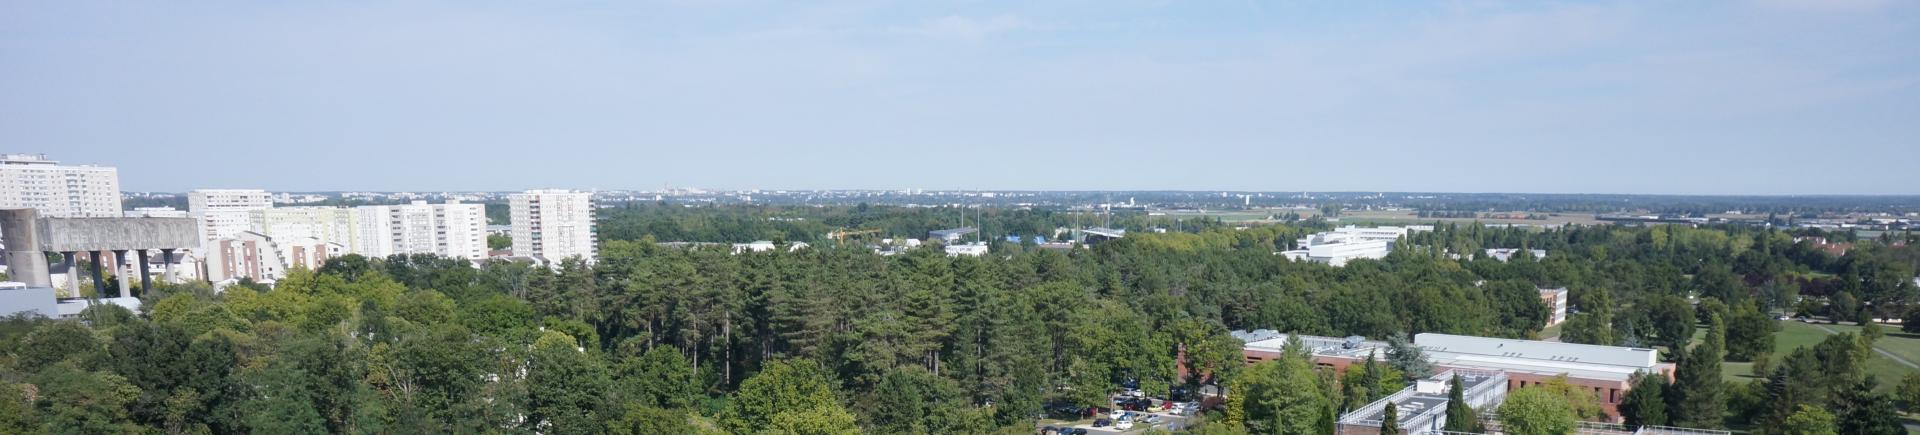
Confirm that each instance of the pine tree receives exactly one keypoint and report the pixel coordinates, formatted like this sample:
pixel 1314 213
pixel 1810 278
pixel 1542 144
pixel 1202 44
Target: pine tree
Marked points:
pixel 1390 420
pixel 1697 397
pixel 1460 417
pixel 1645 405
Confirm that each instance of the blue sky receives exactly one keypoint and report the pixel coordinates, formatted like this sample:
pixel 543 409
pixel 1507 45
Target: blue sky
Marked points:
pixel 1737 97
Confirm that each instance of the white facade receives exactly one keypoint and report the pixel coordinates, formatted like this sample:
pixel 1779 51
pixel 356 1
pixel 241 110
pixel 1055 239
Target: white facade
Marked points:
pixel 326 224
pixel 452 229
pixel 975 249
pixel 1504 254
pixel 225 213
pixel 553 225
pixel 1556 300
pixel 55 190
pixel 1348 243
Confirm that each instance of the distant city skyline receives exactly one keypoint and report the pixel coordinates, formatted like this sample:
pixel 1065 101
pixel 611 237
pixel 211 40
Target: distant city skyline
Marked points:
pixel 1760 97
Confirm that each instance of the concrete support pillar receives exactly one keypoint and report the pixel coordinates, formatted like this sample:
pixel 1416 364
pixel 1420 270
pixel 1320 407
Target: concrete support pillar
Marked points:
pixel 68 259
pixel 99 282
pixel 146 278
pixel 166 260
pixel 120 271
pixel 25 262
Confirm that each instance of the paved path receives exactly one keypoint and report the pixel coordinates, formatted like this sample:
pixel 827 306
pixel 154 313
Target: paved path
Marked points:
pixel 1876 349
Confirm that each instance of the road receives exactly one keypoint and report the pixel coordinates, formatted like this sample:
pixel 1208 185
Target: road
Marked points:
pixel 1876 349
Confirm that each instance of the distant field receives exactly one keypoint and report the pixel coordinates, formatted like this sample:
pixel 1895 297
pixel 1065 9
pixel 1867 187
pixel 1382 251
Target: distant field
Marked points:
pixel 1377 217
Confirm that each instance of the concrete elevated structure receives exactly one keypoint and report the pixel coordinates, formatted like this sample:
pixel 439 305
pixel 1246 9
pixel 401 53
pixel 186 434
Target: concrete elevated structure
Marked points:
pixel 29 237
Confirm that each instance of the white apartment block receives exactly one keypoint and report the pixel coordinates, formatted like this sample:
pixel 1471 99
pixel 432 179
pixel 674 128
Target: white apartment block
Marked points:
pixel 326 224
pixel 553 225
pixel 225 213
pixel 452 229
pixel 56 190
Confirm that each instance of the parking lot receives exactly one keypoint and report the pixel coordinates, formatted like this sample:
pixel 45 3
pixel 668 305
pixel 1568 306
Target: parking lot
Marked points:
pixel 1151 416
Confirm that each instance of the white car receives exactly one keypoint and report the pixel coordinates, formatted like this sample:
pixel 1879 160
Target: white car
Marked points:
pixel 1117 414
pixel 1123 423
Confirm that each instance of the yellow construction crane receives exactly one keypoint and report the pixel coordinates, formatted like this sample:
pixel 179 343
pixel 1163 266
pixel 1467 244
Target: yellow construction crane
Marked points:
pixel 840 236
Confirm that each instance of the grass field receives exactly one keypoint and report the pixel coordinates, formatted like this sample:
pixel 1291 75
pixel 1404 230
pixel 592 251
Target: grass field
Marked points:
pixel 1795 334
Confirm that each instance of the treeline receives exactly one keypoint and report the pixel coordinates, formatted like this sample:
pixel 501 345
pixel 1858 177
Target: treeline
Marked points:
pixel 738 224
pixel 829 340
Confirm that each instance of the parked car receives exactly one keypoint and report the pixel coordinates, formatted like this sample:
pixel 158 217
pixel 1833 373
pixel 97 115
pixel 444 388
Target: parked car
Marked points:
pixel 1117 413
pixel 1152 419
pixel 1123 424
pixel 1076 431
pixel 1049 430
pixel 1102 422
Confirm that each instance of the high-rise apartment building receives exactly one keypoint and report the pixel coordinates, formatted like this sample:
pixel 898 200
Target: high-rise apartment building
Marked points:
pixel 225 213
pixel 56 190
pixel 553 225
pixel 452 229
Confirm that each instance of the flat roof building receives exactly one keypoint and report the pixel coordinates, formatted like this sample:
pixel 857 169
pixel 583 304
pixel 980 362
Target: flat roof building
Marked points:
pixel 951 235
pixel 1346 244
pixel 1604 370
pixel 1422 407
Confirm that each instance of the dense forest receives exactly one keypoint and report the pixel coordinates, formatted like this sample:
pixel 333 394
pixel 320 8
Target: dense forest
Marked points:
pixel 832 339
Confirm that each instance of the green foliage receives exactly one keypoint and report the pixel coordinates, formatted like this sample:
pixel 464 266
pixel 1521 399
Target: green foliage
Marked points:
pixel 1749 332
pixel 75 401
pixel 1909 391
pixel 658 378
pixel 651 339
pixel 643 420
pixel 1645 404
pixel 1281 396
pixel 1536 411
pixel 1460 417
pixel 1671 319
pixel 1860 411
pixel 1390 419
pixel 565 386
pixel 1697 397
pixel 1809 421
pixel 786 397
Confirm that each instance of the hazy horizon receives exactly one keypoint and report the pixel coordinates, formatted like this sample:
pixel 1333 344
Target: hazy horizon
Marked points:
pixel 1761 97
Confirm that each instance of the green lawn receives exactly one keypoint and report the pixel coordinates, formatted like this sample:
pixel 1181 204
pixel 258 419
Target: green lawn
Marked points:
pixel 1795 334
pixel 1907 346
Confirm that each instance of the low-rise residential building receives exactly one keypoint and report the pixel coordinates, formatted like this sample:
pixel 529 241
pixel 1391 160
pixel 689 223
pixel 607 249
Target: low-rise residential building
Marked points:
pixel 1504 254
pixel 266 259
